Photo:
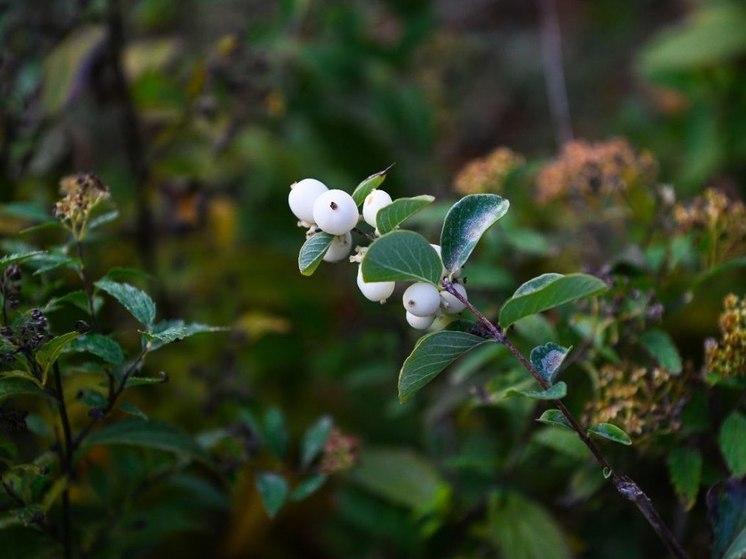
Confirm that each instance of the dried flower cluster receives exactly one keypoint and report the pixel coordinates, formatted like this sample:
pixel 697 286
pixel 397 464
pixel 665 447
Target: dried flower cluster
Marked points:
pixel 591 170
pixel 488 174
pixel 727 357
pixel 24 338
pixel 640 401
pixel 720 220
pixel 81 194
pixel 340 452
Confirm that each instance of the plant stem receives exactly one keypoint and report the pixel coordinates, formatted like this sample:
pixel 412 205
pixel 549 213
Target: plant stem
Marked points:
pixel 624 485
pixel 86 284
pixel 66 463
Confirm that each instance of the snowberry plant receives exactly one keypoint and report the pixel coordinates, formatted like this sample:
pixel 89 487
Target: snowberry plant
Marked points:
pixel 436 298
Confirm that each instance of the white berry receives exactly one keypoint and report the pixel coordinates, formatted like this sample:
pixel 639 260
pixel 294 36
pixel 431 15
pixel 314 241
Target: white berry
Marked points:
pixel 335 212
pixel 374 201
pixel 450 303
pixel 339 249
pixel 302 196
pixel 421 299
pixel 419 322
pixel 376 291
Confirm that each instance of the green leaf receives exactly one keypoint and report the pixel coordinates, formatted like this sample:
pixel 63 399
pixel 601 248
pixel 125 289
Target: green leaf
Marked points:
pixel 562 440
pixel 661 347
pixel 308 487
pixel 132 409
pixel 712 36
pixel 273 489
pixel 50 352
pixel 556 392
pixel 64 67
pixel 685 471
pixel 102 219
pixel 399 476
pixel 732 441
pixel 16 386
pixel 369 185
pixel 139 381
pixel 464 225
pixel 30 211
pixel 611 432
pixel 520 528
pixel 100 346
pixel 275 432
pixel 315 439
pixel 92 398
pixel 9 259
pixel 726 509
pixel 401 256
pixel 312 252
pixel 548 291
pixel 176 330
pixel 389 217
pixel 431 354
pixel 148 434
pixel 555 417
pixel 51 261
pixel 137 302
pixel 547 360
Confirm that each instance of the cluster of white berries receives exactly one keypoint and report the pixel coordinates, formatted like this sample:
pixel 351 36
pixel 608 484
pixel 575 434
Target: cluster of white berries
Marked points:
pixel 335 212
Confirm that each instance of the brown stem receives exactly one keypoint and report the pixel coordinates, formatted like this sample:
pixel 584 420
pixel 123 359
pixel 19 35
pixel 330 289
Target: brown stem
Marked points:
pixel 624 485
pixel 66 464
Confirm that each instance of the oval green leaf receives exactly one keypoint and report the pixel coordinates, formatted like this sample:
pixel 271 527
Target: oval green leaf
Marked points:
pixel 556 392
pixel 389 217
pixel 685 471
pixel 273 489
pixel 50 352
pixel 554 417
pixel 137 302
pixel 733 443
pixel 464 225
pixel 308 487
pixel 148 434
pixel 100 346
pixel 611 432
pixel 315 439
pixel 548 291
pixel 401 256
pixel 369 185
pixel 431 354
pixel 312 252
pixel 661 347
pixel 17 386
pixel 547 360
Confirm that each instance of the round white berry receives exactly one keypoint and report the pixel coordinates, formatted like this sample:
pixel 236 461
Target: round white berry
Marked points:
pixel 421 299
pixel 374 201
pixel 419 322
pixel 339 249
pixel 377 291
pixel 450 303
pixel 302 196
pixel 335 212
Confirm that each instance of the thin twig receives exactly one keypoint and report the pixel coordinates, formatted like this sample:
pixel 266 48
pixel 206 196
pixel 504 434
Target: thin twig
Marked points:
pixel 554 75
pixel 87 287
pixel 624 485
pixel 66 458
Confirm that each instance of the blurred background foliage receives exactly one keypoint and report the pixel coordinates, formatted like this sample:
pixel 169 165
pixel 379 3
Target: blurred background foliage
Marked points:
pixel 199 114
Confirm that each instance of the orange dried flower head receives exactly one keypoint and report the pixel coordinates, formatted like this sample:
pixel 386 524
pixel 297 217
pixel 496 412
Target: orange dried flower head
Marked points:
pixel 489 173
pixel 592 170
pixel 726 357
pixel 640 401
pixel 82 193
